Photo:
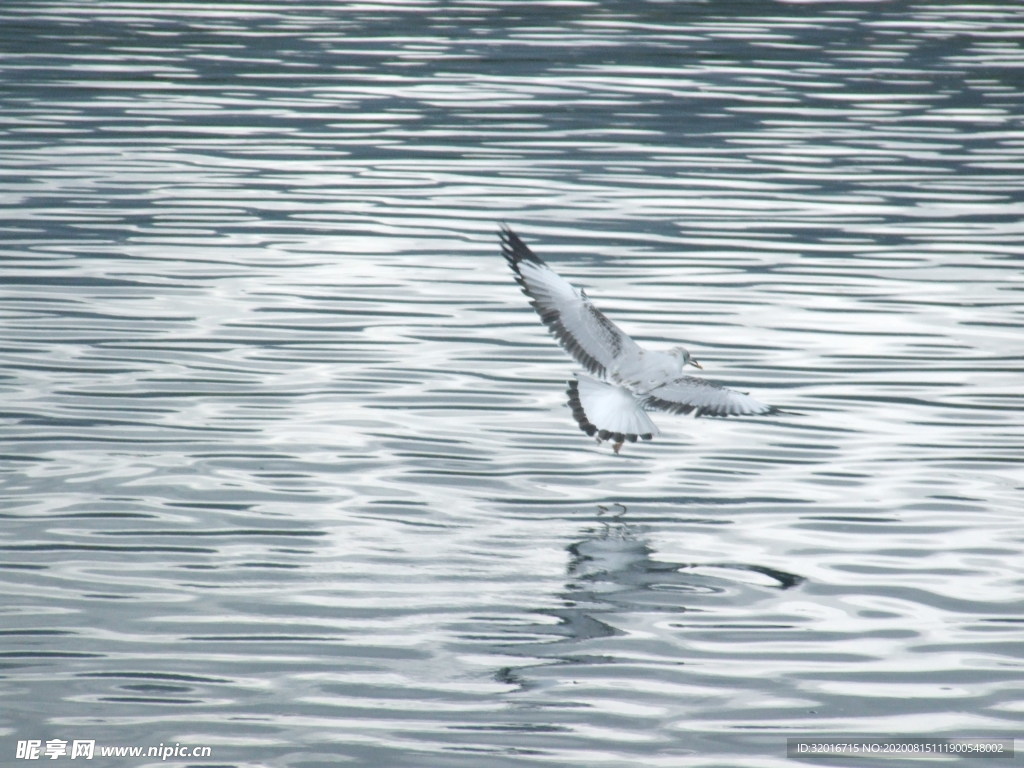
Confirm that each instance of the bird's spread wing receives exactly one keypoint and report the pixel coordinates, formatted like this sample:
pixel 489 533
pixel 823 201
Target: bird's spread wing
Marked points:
pixel 580 327
pixel 611 412
pixel 689 393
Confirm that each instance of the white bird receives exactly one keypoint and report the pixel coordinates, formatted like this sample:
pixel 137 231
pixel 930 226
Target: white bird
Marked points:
pixel 625 379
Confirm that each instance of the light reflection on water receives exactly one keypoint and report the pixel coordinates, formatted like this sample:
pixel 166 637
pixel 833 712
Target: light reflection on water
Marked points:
pixel 287 467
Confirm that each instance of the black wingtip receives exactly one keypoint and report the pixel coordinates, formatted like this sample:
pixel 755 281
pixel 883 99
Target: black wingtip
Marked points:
pixel 573 391
pixel 783 412
pixel 514 249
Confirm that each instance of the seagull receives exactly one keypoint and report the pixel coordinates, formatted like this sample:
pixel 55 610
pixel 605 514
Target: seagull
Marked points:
pixel 623 381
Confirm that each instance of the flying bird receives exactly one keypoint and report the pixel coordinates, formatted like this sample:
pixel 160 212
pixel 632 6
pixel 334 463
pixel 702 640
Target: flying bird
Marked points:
pixel 623 381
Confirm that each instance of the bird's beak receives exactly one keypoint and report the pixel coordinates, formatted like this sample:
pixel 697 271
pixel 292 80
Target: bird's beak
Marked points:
pixel 695 364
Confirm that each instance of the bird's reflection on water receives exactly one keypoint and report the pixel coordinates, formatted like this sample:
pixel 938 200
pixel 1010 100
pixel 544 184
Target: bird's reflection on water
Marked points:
pixel 614 578
pixel 616 558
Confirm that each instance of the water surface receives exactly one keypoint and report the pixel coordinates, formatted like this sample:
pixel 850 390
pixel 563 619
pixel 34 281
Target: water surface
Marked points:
pixel 287 466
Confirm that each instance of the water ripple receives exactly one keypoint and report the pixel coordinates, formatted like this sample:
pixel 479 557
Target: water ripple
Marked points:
pixel 287 468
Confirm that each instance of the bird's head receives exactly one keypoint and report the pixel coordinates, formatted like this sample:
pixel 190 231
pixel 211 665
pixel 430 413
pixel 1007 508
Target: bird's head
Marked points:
pixel 683 356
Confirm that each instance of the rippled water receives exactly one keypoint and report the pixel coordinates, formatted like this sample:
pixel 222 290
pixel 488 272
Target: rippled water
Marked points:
pixel 287 468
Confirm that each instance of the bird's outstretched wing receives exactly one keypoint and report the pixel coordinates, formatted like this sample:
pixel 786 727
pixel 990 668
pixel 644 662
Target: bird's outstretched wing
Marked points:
pixel 580 327
pixel 691 394
pixel 608 411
